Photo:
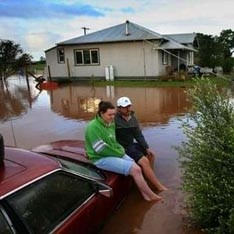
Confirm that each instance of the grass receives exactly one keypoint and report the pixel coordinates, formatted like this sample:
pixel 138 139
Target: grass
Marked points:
pixel 37 66
pixel 157 83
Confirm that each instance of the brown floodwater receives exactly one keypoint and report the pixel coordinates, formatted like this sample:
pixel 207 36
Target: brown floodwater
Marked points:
pixel 30 117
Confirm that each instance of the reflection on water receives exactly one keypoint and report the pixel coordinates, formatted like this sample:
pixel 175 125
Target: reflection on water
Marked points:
pixel 15 98
pixel 152 105
pixel 41 117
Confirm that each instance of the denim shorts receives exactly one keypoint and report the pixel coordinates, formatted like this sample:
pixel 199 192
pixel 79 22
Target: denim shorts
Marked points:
pixel 135 151
pixel 116 164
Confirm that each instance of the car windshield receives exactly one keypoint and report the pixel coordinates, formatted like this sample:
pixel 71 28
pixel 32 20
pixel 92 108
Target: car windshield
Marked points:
pixel 4 226
pixel 42 205
pixel 86 170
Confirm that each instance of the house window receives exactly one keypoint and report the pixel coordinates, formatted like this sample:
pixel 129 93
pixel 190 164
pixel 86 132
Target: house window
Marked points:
pixel 164 58
pixel 190 58
pixel 60 54
pixel 86 57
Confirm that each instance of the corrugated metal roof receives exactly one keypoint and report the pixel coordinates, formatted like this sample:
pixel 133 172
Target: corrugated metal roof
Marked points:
pixel 116 34
pixel 184 38
pixel 129 31
pixel 172 44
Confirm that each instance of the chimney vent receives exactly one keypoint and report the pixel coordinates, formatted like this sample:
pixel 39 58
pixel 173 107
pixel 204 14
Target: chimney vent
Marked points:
pixel 126 28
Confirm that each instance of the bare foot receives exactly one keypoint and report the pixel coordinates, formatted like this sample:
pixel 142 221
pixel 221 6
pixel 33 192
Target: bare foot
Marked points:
pixel 157 198
pixel 162 188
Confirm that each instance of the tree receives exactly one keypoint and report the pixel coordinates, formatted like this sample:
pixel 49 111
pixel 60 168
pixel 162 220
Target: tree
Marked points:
pixel 226 38
pixel 209 51
pixel 207 159
pixel 216 50
pixel 12 58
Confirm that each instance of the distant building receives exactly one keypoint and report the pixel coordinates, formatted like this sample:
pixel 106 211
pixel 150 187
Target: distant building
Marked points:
pixel 125 51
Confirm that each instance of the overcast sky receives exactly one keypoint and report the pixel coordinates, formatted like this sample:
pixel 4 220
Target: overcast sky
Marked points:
pixel 38 25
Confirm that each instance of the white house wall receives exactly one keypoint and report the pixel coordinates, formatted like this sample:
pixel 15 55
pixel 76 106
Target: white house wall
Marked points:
pixel 56 69
pixel 132 59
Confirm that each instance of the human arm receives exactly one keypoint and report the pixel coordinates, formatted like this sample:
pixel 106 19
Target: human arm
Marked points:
pixel 102 141
pixel 139 137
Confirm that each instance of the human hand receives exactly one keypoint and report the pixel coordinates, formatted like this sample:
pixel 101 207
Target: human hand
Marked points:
pixel 150 156
pixel 150 152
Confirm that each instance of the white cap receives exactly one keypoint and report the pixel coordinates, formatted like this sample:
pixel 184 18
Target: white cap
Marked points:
pixel 124 101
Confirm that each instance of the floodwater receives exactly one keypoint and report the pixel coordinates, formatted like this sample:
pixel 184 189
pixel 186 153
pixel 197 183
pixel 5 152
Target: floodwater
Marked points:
pixel 30 117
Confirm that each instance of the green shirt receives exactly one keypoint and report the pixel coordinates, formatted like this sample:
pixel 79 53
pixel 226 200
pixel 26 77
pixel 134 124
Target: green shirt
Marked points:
pixel 100 140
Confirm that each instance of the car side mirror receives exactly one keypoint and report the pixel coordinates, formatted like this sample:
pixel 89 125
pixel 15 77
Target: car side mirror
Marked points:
pixel 2 151
pixel 105 190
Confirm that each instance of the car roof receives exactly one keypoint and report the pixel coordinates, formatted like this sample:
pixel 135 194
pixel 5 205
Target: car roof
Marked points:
pixel 22 167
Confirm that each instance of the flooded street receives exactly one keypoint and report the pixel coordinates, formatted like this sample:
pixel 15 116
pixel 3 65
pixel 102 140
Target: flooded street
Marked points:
pixel 29 117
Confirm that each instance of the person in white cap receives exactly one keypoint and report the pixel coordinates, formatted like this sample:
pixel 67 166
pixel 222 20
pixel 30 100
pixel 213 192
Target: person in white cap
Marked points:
pixel 129 135
pixel 107 154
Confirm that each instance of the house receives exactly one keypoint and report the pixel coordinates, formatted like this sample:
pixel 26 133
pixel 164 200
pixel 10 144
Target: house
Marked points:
pixel 124 51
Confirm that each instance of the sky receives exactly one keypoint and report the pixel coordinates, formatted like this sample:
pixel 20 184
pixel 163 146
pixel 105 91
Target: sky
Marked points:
pixel 38 25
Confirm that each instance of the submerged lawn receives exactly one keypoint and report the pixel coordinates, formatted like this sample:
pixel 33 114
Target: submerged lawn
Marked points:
pixel 156 83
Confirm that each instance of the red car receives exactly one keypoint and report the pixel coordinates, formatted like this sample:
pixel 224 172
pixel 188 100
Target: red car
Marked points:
pixel 55 189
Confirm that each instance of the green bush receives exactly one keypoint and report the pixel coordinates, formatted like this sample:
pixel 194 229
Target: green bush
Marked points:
pixel 228 64
pixel 207 159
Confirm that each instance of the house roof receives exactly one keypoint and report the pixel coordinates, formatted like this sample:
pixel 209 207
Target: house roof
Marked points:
pixel 116 33
pixel 174 45
pixel 184 38
pixel 129 31
pixel 179 41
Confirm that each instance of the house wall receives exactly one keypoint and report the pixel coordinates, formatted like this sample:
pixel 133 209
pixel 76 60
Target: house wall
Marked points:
pixel 56 69
pixel 129 59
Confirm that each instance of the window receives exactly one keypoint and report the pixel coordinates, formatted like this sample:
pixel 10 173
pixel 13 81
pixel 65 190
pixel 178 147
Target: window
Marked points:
pixel 4 227
pixel 190 58
pixel 88 170
pixel 164 58
pixel 60 54
pixel 94 56
pixel 42 206
pixel 86 57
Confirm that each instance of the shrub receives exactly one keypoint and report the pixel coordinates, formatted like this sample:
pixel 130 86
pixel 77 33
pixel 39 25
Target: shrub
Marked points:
pixel 207 159
pixel 228 65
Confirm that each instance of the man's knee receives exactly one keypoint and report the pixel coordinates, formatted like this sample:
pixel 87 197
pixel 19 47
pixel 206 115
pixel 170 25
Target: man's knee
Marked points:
pixel 144 161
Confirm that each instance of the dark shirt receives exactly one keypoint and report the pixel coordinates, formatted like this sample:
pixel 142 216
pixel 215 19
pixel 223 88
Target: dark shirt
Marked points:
pixel 128 130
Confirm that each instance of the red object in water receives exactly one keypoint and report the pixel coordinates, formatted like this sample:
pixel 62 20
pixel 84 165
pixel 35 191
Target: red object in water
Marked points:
pixel 49 85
